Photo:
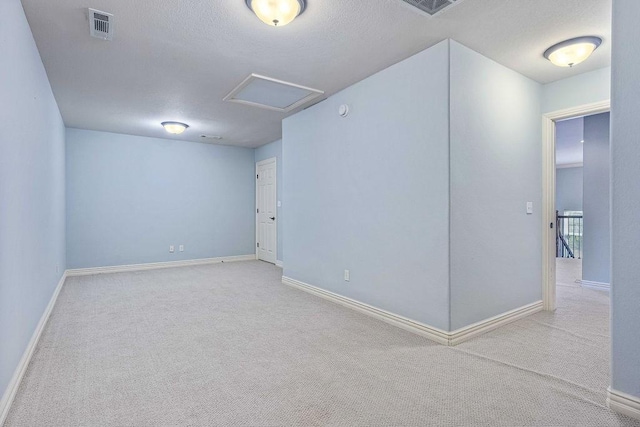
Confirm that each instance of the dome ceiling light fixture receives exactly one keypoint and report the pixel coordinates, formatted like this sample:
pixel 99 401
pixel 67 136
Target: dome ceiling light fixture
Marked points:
pixel 573 51
pixel 175 128
pixel 276 13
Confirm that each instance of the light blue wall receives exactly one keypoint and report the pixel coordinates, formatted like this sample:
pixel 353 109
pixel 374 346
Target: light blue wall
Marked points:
pixel 625 198
pixel 587 88
pixel 495 171
pixel 569 189
pixel 267 151
pixel 130 197
pixel 596 257
pixel 32 233
pixel 369 192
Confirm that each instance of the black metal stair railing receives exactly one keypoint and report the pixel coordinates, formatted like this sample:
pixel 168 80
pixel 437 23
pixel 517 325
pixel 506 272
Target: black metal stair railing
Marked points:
pixel 569 236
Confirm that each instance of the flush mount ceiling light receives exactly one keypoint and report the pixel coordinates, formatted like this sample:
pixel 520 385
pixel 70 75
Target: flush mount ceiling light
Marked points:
pixel 175 128
pixel 572 52
pixel 276 12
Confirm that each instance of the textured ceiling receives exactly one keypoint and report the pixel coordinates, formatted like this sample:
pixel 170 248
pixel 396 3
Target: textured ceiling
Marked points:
pixel 176 60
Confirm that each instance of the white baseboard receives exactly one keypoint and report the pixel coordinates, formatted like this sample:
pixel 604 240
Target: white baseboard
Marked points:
pixel 623 403
pixel 594 285
pixel 464 334
pixel 157 265
pixel 14 383
pixel 279 264
pixel 435 334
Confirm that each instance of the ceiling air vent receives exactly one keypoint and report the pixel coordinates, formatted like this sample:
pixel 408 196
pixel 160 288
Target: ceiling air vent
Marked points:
pixel 101 24
pixel 431 7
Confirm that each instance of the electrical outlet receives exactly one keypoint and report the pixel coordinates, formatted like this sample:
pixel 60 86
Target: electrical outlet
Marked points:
pixel 347 275
pixel 181 248
pixel 172 249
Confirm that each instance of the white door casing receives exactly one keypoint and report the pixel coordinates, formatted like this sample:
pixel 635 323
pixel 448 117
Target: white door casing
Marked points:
pixel 266 225
pixel 548 193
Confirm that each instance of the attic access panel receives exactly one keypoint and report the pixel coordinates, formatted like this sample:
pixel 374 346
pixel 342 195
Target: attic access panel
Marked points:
pixel 272 94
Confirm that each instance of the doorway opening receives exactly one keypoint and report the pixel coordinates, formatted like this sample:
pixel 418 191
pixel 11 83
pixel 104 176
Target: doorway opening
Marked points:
pixel 575 223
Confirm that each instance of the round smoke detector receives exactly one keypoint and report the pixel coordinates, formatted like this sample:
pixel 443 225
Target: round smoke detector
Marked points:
pixel 343 110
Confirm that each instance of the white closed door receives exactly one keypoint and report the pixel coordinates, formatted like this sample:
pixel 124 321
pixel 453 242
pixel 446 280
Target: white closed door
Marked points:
pixel 266 232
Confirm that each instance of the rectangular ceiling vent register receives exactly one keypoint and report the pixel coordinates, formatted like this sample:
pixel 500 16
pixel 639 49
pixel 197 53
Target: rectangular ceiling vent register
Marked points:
pixel 272 94
pixel 431 7
pixel 101 24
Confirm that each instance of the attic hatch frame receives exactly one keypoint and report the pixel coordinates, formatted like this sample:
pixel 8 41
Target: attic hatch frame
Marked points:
pixel 231 97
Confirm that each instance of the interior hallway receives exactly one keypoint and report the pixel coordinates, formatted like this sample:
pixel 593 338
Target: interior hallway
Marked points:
pixel 228 344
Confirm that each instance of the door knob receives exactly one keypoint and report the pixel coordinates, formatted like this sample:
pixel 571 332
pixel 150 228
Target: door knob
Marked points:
pixel 273 218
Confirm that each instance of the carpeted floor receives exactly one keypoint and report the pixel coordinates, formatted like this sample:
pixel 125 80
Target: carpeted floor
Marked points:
pixel 568 271
pixel 228 344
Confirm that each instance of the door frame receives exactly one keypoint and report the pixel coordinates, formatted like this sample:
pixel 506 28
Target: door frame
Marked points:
pixel 273 160
pixel 549 192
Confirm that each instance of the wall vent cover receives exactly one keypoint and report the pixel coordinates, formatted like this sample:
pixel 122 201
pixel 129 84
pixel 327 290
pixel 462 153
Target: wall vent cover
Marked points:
pixel 431 7
pixel 101 24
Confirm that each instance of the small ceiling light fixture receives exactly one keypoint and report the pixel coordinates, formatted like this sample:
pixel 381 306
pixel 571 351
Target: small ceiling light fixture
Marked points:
pixel 175 128
pixel 276 12
pixel 572 52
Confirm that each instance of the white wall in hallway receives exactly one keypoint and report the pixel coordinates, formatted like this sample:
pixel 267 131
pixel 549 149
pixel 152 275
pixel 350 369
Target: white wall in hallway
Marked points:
pixel 32 190
pixel 369 192
pixel 569 189
pixel 421 190
pixel 596 259
pixel 495 170
pixel 130 197
pixel 625 199
pixel 583 89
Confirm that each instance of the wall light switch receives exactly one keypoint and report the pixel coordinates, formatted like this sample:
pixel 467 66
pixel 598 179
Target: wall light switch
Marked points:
pixel 347 275
pixel 279 203
pixel 181 248
pixel 529 208
pixel 172 249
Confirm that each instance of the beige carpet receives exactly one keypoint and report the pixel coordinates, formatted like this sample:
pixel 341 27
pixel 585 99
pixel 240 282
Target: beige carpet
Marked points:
pixel 568 271
pixel 229 345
